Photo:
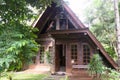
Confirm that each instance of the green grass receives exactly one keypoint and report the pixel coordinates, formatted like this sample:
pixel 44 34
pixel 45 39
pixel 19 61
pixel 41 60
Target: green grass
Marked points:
pixel 23 76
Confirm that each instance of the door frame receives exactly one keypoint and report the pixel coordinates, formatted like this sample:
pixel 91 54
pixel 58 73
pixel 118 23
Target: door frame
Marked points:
pixel 57 56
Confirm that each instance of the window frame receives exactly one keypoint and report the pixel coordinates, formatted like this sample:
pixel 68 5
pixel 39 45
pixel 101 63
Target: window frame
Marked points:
pixel 87 60
pixel 73 60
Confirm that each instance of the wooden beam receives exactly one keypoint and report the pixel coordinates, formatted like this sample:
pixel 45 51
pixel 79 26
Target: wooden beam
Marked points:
pixel 68 31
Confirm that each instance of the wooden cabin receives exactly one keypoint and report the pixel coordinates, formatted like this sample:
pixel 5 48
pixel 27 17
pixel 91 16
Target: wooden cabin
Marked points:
pixel 69 42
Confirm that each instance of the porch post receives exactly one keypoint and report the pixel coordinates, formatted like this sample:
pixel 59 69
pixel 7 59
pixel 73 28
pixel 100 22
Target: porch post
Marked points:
pixel 57 23
pixel 68 59
pixel 37 60
pixel 53 59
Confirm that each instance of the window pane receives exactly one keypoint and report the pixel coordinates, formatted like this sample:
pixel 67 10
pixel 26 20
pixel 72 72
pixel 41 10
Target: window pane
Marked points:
pixel 74 53
pixel 86 54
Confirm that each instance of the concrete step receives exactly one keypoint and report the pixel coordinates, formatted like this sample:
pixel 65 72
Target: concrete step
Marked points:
pixel 55 77
pixel 80 78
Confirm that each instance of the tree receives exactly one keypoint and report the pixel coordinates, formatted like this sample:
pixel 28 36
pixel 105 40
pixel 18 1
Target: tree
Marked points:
pixel 17 38
pixel 17 44
pixel 100 17
pixel 117 22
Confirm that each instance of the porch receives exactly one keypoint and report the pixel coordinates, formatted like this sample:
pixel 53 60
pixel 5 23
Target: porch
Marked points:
pixel 68 48
pixel 72 47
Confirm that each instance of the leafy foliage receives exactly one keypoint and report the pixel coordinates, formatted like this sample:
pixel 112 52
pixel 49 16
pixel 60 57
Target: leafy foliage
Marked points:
pixel 17 38
pixel 95 65
pixel 48 57
pixel 109 74
pixel 100 17
pixel 99 71
pixel 42 3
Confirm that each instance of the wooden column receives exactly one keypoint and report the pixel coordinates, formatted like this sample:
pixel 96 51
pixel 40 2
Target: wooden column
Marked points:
pixel 53 59
pixel 37 60
pixel 68 59
pixel 79 54
pixel 57 23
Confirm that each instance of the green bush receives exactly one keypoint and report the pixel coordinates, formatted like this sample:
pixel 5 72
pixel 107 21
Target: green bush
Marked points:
pixel 99 71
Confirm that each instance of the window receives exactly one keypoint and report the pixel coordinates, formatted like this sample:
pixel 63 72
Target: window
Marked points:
pixel 42 49
pixel 86 54
pixel 63 24
pixel 74 54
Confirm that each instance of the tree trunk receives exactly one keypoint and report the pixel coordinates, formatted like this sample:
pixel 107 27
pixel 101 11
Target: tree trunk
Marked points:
pixel 117 21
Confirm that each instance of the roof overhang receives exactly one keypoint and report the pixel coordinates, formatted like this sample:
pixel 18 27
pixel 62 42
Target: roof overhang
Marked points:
pixel 68 31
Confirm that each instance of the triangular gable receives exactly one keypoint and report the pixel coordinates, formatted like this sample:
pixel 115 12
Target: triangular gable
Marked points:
pixel 41 21
pixel 49 13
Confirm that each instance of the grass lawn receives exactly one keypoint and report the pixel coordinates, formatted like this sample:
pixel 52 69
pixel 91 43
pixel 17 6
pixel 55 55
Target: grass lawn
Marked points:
pixel 24 76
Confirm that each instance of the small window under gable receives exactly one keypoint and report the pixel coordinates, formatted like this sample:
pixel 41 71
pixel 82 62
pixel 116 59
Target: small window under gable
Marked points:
pixel 60 22
pixel 63 24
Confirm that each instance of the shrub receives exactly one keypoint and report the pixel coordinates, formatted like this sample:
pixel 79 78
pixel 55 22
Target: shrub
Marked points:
pixel 99 71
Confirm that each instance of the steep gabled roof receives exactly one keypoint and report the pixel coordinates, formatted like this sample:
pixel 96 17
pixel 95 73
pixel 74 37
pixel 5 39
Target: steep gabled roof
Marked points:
pixel 72 14
pixel 49 13
pixel 41 21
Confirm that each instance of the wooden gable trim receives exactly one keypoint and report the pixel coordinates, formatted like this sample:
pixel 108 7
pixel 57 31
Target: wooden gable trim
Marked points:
pixel 41 21
pixel 102 49
pixel 72 21
pixel 68 31
pixel 73 16
pixel 45 17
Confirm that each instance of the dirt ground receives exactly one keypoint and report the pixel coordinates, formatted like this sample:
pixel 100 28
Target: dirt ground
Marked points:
pixel 37 69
